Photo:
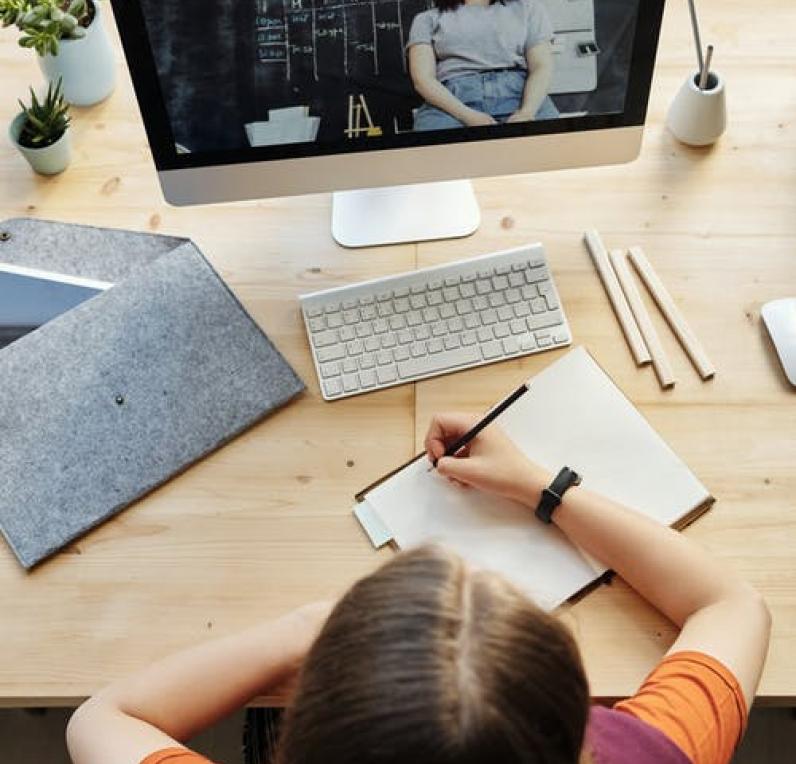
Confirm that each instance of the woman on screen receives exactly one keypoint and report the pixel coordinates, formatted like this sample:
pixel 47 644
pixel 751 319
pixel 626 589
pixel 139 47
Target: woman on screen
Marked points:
pixel 430 661
pixel 481 62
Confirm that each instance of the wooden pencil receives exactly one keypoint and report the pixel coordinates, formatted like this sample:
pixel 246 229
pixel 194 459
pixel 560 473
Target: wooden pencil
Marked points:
pixel 671 312
pixel 660 361
pixel 601 262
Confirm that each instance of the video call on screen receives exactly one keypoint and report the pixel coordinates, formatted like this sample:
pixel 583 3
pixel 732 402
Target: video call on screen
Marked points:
pixel 242 73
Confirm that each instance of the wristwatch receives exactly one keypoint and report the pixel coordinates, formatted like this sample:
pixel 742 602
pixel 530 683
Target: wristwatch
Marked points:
pixel 551 496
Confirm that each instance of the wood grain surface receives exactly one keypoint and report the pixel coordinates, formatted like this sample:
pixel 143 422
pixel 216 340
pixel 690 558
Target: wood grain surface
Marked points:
pixel 265 524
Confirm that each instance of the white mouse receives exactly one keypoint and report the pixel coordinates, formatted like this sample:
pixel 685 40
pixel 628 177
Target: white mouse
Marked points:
pixel 780 319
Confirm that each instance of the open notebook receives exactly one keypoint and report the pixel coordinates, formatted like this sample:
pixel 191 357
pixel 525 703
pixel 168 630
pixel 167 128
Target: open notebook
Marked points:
pixel 573 415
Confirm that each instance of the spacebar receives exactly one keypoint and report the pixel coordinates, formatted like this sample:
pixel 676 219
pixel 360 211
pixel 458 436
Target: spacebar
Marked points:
pixel 431 364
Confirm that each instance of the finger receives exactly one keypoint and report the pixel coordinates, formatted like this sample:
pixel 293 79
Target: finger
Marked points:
pixel 465 470
pixel 444 429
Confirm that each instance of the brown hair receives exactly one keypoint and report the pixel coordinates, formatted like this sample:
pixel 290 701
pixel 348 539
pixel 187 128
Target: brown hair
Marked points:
pixel 428 662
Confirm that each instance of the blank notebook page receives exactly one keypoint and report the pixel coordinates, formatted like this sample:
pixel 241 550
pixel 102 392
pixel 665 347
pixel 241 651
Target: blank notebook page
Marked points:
pixel 573 415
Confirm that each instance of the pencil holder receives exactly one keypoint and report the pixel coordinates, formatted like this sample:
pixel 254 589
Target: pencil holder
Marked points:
pixel 698 117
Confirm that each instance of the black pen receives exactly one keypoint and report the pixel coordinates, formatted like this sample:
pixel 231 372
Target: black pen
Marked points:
pixel 491 416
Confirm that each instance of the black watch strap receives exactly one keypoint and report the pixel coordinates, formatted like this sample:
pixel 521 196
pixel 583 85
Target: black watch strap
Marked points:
pixel 551 496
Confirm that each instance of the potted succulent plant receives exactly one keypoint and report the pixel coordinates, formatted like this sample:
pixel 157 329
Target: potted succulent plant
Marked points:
pixel 71 42
pixel 41 131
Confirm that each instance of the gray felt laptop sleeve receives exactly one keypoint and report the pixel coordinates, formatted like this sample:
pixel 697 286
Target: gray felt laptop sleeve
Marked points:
pixel 108 401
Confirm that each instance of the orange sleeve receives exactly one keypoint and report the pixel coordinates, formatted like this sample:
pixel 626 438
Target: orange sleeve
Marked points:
pixel 175 756
pixel 696 702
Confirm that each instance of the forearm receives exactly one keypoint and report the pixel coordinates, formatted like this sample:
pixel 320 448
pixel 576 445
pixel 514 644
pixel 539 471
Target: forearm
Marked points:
pixel 537 86
pixel 666 568
pixel 436 94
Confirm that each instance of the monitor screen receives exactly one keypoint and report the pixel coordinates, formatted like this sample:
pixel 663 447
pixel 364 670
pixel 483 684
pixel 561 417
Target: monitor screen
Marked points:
pixel 248 80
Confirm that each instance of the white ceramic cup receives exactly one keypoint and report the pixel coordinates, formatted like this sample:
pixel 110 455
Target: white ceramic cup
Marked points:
pixel 698 117
pixel 49 160
pixel 86 65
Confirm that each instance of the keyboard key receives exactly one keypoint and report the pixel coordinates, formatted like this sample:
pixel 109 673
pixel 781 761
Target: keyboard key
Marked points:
pixel 488 317
pixel 401 292
pixel 334 321
pixel 545 321
pixel 345 334
pixel 538 305
pixel 560 338
pixel 521 310
pixel 439 329
pixel 330 369
pixel 484 334
pixel 529 292
pixel 417 301
pixel 517 326
pixel 500 331
pixel 383 357
pixel 483 286
pixel 333 387
pixel 491 350
pixel 496 299
pixel 384 296
pixel 367 378
pixel 463 306
pixel 472 321
pixel 449 359
pixel 349 304
pixel 502 270
pixel 400 353
pixel 512 296
pixel 485 273
pixel 480 303
pixel 450 294
pixel 452 341
pixel 368 312
pixel 537 274
pixel 418 349
pixel 331 353
pixel 434 298
pixel 380 325
pixel 505 313
pixel 452 281
pixel 368 361
pixel 371 344
pixel 469 278
pixel 435 284
pixel 516 279
pixel 401 305
pixel 447 311
pixel 468 338
pixel 421 332
pixel 317 324
pixel 510 346
pixel 434 346
pixel 355 348
pixel 418 289
pixel 455 324
pixel 499 283
pixel 544 341
pixel 405 336
pixel 386 374
pixel 467 290
pixel 350 366
pixel 389 340
pixel 367 299
pixel 363 330
pixel 324 339
pixel 314 312
pixel 385 309
pixel 518 267
pixel 430 314
pixel 414 318
pixel 332 307
pixel 399 322
pixel 350 383
pixel 528 342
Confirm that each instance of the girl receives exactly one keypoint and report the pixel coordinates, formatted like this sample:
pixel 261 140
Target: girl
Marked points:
pixel 480 62
pixel 427 661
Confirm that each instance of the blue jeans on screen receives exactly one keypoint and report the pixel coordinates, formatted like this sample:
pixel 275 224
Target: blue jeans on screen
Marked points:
pixel 498 94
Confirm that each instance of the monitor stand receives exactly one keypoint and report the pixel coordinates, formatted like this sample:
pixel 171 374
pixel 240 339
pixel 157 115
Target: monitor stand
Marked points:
pixel 399 214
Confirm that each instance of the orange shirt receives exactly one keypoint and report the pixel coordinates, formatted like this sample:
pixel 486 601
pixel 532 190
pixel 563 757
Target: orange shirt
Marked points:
pixel 690 697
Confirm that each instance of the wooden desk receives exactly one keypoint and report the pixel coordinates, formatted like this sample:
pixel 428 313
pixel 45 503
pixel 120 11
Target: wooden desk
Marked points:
pixel 264 524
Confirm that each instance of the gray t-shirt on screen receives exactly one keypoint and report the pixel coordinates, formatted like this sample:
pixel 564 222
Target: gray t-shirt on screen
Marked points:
pixel 478 38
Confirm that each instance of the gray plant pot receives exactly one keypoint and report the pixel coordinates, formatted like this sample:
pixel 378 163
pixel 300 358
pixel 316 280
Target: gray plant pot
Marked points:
pixel 49 160
pixel 86 66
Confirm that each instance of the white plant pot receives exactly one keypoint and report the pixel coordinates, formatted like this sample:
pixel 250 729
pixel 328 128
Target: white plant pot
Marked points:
pixel 86 65
pixel 698 117
pixel 49 160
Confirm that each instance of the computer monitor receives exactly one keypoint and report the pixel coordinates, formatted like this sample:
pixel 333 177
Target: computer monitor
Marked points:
pixel 245 99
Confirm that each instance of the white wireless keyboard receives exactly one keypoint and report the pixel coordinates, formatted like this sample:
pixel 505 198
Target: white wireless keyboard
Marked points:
pixel 416 325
